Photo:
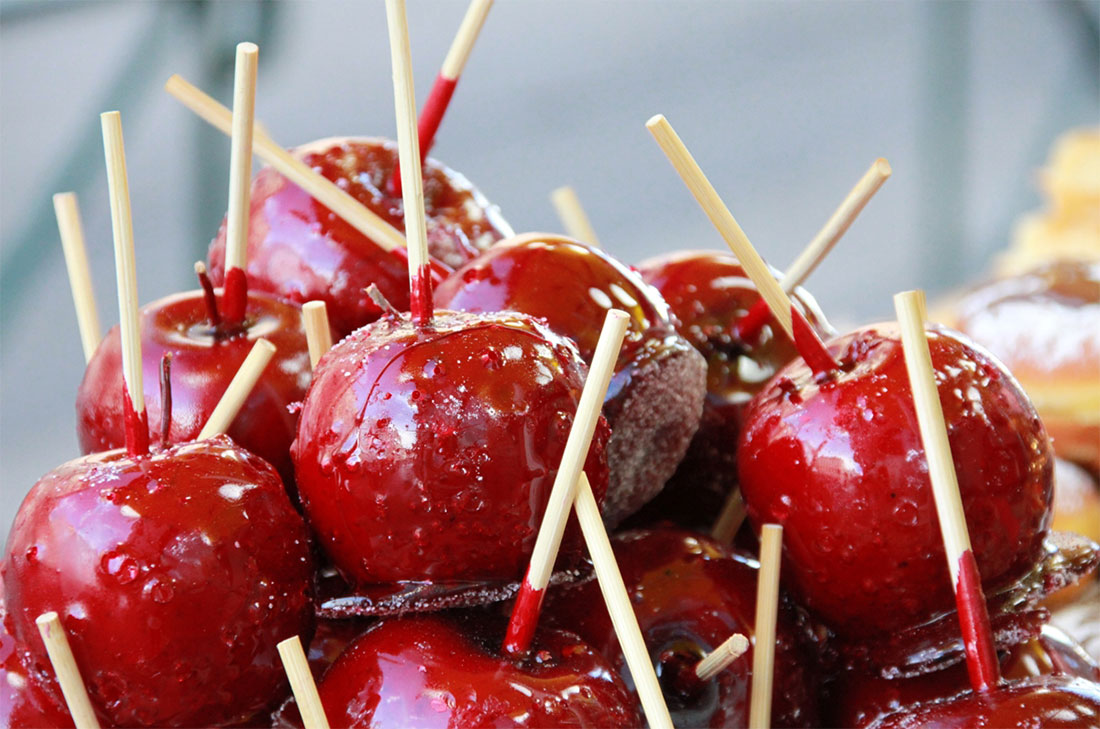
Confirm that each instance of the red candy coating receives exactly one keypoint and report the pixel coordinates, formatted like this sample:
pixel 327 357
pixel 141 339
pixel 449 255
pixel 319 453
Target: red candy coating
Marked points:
pixel 204 361
pixel 300 250
pixel 438 671
pixel 174 574
pixel 709 293
pixel 23 702
pixel 689 594
pixel 839 462
pixel 428 453
pixel 655 396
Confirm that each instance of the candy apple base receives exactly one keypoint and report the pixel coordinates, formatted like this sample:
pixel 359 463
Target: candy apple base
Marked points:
pixel 174 574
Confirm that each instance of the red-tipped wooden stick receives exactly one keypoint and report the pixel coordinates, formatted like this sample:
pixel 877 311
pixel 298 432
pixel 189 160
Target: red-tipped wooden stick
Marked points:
pixel 444 87
pixel 420 282
pixel 136 419
pixel 235 295
pixel 525 612
pixel 981 651
pixel 807 342
pixel 812 255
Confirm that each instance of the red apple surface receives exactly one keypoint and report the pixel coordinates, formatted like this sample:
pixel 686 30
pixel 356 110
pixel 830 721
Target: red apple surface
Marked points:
pixel 24 704
pixel 300 250
pixel 175 574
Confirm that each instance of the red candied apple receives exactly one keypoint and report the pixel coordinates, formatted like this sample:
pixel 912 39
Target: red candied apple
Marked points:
pixel 426 453
pixel 859 699
pixel 656 393
pixel 446 670
pixel 709 295
pixel 689 594
pixel 175 575
pixel 205 357
pixel 23 702
pixel 838 461
pixel 300 250
pixel 330 639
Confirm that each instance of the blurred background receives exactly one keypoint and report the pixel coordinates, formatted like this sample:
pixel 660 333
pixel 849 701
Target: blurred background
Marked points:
pixel 784 104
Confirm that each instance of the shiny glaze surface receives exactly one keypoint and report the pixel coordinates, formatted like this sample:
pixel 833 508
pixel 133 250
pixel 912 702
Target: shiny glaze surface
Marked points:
pixel 23 703
pixel 174 574
pixel 428 453
pixel 1051 702
pixel 840 464
pixel 446 671
pixel 689 594
pixel 708 293
pixel 858 699
pixel 299 249
pixel 572 286
pixel 203 364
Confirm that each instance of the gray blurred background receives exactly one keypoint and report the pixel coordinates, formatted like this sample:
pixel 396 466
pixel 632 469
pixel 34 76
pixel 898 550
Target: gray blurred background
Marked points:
pixel 784 104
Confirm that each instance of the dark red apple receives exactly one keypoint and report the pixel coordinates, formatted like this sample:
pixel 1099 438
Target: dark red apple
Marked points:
pixel 656 393
pixel 300 250
pixel 204 360
pixel 447 671
pixel 175 575
pixel 427 453
pixel 838 461
pixel 709 293
pixel 23 702
pixel 689 594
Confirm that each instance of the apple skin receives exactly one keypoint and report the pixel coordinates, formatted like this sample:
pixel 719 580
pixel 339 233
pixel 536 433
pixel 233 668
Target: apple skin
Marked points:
pixel 445 670
pixel 204 361
pixel 300 250
pixel 838 461
pixel 23 702
pixel 427 453
pixel 175 574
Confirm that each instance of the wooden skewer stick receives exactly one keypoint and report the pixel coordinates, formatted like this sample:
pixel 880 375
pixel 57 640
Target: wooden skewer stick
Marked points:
pixel 80 278
pixel 767 610
pixel 730 519
pixel 68 675
pixel 439 98
pixel 572 215
pixel 794 324
pixel 981 652
pixel 235 296
pixel 137 422
pixel 525 612
pixel 318 331
pixel 408 147
pixel 719 659
pixel 618 606
pixel 322 189
pixel 301 682
pixel 239 388
pixel 824 242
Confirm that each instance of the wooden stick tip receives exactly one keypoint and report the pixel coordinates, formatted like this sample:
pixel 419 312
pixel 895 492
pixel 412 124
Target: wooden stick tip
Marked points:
pixel 248 48
pixel 200 268
pixel 883 168
pixel 655 121
pixel 45 620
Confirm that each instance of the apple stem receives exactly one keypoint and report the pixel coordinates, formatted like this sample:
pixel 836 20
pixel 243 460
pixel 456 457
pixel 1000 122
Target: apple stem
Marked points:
pixel 136 426
pixel 235 296
pixel 981 651
pixel 381 301
pixel 208 295
pixel 525 618
pixel 427 124
pixel 165 398
pixel 810 346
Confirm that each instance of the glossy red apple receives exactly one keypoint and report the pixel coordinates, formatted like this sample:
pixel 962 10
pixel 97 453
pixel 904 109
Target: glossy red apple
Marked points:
pixel 23 702
pixel 204 360
pixel 689 594
pixel 708 294
pixel 298 249
pixel 427 453
pixel 175 575
pixel 656 393
pixel 838 461
pixel 447 671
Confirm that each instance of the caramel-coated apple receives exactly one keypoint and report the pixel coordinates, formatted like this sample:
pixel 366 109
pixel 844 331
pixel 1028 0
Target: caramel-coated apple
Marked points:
pixel 656 393
pixel 174 574
pixel 300 250
pixel 838 460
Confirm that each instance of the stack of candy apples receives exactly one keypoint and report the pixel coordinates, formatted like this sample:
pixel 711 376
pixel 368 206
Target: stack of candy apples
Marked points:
pixel 393 465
